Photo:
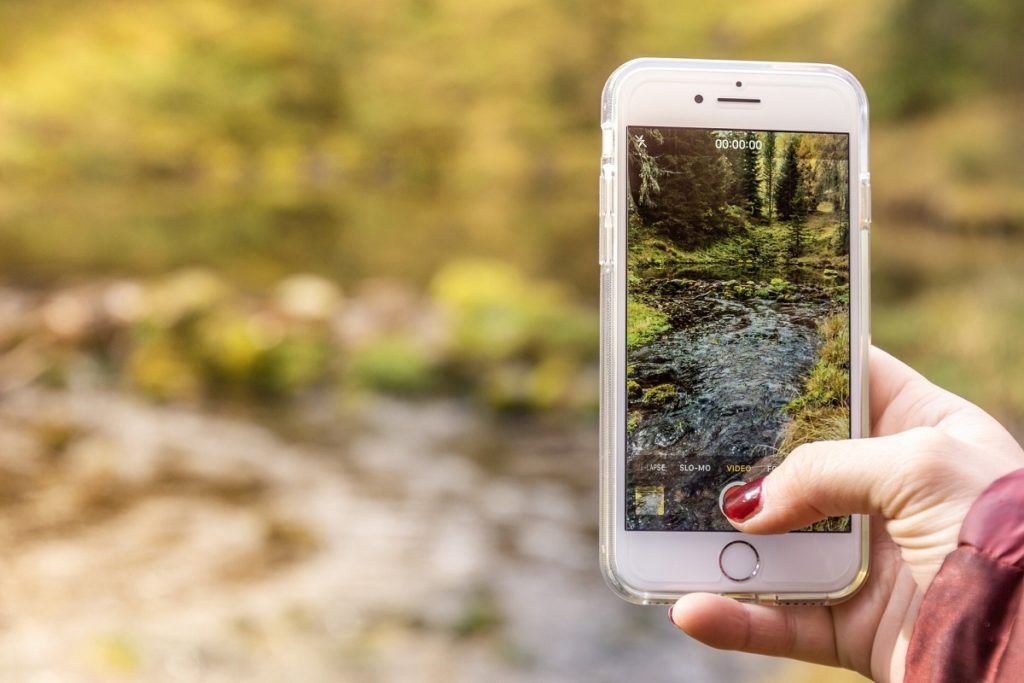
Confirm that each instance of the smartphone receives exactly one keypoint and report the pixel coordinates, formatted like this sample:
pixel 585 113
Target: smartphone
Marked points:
pixel 734 223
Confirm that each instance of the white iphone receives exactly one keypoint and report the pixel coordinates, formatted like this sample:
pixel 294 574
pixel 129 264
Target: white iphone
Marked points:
pixel 735 209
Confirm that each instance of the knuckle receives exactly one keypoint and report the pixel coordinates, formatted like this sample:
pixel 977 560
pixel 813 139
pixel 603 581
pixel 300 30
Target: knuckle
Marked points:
pixel 927 449
pixel 805 458
pixel 927 456
pixel 929 438
pixel 804 469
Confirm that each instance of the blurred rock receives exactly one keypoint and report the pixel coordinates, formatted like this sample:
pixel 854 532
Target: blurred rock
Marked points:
pixel 72 315
pixel 309 298
pixel 383 308
pixel 124 302
pixel 184 293
pixel 17 314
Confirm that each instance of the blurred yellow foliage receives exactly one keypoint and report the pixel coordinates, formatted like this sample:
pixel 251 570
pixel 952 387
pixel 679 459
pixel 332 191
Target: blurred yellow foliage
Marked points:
pixel 115 655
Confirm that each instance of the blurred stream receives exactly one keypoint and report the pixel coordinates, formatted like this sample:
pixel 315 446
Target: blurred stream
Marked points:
pixel 171 545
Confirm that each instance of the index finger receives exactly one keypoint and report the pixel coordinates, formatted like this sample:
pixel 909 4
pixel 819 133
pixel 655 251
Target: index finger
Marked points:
pixel 805 633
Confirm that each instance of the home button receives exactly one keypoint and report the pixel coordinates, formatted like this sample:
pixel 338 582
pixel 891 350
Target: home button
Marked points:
pixel 739 561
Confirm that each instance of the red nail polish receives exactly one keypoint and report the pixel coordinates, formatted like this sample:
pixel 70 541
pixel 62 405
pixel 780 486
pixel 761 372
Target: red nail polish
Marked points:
pixel 741 502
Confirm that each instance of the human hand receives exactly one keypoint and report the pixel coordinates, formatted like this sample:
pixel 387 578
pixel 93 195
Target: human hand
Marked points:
pixel 931 454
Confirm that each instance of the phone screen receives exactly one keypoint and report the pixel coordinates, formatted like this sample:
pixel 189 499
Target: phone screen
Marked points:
pixel 737 314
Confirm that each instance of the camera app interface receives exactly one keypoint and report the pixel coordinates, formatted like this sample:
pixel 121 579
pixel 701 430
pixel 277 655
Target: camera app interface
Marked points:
pixel 737 315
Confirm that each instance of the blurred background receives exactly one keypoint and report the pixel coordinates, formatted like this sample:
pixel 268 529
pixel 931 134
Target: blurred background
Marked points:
pixel 298 319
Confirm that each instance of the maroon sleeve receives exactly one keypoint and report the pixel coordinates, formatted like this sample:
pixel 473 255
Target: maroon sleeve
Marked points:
pixel 966 629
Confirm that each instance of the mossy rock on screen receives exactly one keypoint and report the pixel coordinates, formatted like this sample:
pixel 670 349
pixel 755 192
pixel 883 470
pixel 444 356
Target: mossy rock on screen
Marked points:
pixel 659 395
pixel 643 324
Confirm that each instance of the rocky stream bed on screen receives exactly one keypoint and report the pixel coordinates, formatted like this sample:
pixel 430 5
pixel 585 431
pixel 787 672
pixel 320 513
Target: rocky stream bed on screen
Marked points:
pixel 736 354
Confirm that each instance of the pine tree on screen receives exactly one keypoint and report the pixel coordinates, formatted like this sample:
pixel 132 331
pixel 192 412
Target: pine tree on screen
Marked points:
pixel 750 177
pixel 768 172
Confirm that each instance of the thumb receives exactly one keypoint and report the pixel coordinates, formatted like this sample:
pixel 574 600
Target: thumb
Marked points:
pixel 830 478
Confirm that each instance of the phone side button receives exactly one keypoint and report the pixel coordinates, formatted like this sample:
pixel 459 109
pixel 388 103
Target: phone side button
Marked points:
pixel 601 211
pixel 607 142
pixel 739 561
pixel 865 201
pixel 607 248
pixel 606 222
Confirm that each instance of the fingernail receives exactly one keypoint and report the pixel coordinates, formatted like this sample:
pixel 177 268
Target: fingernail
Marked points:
pixel 742 502
pixel 670 615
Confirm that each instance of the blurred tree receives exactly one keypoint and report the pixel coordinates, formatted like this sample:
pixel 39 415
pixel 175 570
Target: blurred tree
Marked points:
pixel 939 50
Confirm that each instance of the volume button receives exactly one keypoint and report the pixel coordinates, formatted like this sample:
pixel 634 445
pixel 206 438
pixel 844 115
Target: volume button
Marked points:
pixel 865 201
pixel 607 142
pixel 606 249
pixel 607 208
pixel 602 210
pixel 608 186
pixel 608 190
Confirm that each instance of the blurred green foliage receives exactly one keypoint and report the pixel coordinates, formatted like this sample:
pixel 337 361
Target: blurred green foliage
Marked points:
pixel 527 340
pixel 354 141
pixel 483 331
pixel 194 334
pixel 397 365
pixel 947 51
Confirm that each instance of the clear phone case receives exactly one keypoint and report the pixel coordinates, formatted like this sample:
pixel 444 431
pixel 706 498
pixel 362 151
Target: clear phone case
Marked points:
pixel 612 364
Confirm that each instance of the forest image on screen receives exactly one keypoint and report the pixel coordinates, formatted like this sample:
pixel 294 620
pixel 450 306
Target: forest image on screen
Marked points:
pixel 737 314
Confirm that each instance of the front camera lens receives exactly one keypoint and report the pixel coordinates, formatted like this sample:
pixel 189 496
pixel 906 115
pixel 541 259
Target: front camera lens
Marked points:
pixel 698 98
